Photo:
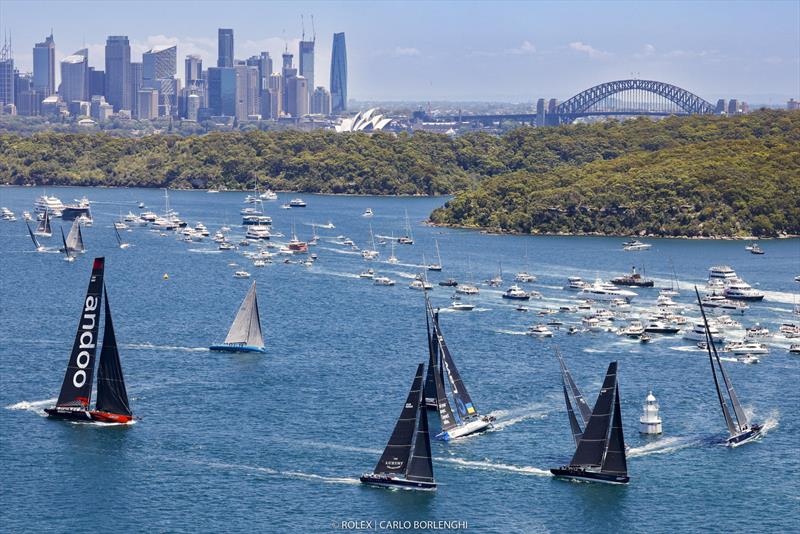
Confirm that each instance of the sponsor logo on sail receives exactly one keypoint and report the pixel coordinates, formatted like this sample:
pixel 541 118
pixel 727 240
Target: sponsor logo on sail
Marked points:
pixel 86 341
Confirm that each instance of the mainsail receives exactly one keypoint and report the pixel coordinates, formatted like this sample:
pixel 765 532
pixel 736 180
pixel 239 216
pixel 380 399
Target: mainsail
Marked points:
pixel 398 451
pixel 76 389
pixel 734 427
pixel 119 239
pixel 33 237
pixel 614 459
pixel 592 446
pixel 463 402
pixel 44 225
pixel 246 327
pixel 111 394
pixel 429 394
pixel 75 238
pixel 421 466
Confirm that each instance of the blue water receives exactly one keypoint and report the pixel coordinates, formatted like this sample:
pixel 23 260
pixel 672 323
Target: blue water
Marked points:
pixel 276 442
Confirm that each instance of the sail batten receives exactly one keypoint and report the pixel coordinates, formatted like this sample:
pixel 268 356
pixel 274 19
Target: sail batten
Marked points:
pixel 246 327
pixel 395 457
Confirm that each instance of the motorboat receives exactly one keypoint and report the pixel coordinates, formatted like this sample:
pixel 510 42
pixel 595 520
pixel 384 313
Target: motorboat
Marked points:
pixel 241 274
pixel 257 232
pixel 714 301
pixel 286 207
pixel 635 245
pixel 420 285
pixel 367 213
pixel 148 216
pixel 259 263
pixel 81 208
pixel 383 281
pixel 746 347
pixel 575 283
pixel 462 306
pixel 632 279
pixel 269 194
pixel 226 246
pixel 51 204
pixel 698 333
pixel 524 277
pixel 297 203
pixel 602 291
pixel 661 327
pixel 369 273
pixel 450 282
pixel 516 293
pixel 738 289
pixel 723 272
pixel 467 289
pixel 757 332
pixel 634 329
pixel 539 330
pixel 255 218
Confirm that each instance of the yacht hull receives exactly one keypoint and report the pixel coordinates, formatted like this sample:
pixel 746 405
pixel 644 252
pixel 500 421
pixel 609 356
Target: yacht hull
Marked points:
pixel 745 437
pixel 399 483
pixel 588 476
pixel 237 348
pixel 106 417
pixel 66 414
pixel 473 427
pixel 513 297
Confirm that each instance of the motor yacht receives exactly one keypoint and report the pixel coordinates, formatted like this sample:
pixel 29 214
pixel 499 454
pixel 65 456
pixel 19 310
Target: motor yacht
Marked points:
pixel 632 279
pixel 698 333
pixel 603 291
pixel 420 285
pixel 756 332
pixel 575 283
pixel 723 272
pixel 738 289
pixel 746 347
pixel 539 330
pixel 634 329
pixel 524 277
pixel 516 293
pixel 367 213
pixel 635 245
pixel 462 306
pixel 148 216
pixel 269 194
pixel 661 327
pixel 257 232
pixel 719 302
pixel 467 289
pixel 297 203
pixel 51 204
pixel 383 281
pixel 254 218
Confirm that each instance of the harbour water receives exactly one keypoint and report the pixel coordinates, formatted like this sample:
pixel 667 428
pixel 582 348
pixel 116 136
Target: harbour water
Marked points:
pixel 276 442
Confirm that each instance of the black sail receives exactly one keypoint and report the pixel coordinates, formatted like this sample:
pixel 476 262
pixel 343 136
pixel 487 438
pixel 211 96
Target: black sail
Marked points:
pixel 119 239
pixel 429 394
pixel 446 416
pixel 583 406
pixel 592 446
pixel 111 394
pixel 464 405
pixel 33 237
pixel 77 387
pixel 614 461
pixel 577 432
pixel 397 452
pixel 421 465
pixel 44 225
pixel 64 240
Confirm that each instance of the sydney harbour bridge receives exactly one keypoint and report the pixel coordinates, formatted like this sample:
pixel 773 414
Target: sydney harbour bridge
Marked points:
pixel 618 98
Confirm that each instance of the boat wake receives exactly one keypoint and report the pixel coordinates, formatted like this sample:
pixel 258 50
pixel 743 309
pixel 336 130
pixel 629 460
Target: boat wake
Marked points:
pixel 150 346
pixel 507 418
pixel 285 474
pixel 663 446
pixel 203 251
pixel 488 465
pixel 511 332
pixel 33 406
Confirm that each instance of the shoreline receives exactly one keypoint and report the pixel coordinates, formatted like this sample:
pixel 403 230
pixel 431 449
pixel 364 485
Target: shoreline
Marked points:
pixel 499 231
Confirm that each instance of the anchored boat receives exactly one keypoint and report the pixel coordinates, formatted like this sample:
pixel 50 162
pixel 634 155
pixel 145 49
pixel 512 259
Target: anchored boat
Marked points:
pixel 112 399
pixel 600 452
pixel 245 332
pixel 406 460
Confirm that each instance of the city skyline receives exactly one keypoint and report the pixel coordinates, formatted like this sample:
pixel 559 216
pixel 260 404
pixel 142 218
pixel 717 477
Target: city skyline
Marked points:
pixel 499 52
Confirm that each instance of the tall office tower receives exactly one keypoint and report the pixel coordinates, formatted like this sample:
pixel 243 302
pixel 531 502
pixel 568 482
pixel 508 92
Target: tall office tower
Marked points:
pixel 148 103
pixel 733 106
pixel 540 112
pixel 338 74
pixel 321 101
pixel 287 60
pixel 118 72
pixel 27 100
pixel 194 70
pixel 44 67
pixel 75 77
pixel 264 64
pixel 159 62
pixel 224 47
pixel 222 91
pixel 720 107
pixel 276 95
pixel 306 66
pixel 136 82
pixel 6 77
pixel 97 82
pixel 298 96
pixel 246 91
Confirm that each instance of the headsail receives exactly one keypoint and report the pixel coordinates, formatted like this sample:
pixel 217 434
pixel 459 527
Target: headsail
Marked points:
pixel 429 394
pixel 614 461
pixel 711 357
pixel 64 240
pixel 44 224
pixel 421 465
pixel 464 405
pixel 397 452
pixel 583 407
pixel 33 237
pixel 75 238
pixel 119 239
pixel 246 327
pixel 577 432
pixel 76 389
pixel 592 446
pixel 111 394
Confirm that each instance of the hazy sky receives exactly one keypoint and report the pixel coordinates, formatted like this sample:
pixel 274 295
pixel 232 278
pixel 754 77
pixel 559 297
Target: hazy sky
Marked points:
pixel 507 51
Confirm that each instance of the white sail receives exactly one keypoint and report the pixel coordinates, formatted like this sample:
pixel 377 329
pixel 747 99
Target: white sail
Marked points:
pixel 246 327
pixel 75 238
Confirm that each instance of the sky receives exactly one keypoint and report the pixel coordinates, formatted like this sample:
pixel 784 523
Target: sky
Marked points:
pixel 457 51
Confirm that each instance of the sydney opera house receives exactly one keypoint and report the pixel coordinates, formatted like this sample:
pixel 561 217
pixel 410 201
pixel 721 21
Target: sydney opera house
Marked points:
pixel 368 121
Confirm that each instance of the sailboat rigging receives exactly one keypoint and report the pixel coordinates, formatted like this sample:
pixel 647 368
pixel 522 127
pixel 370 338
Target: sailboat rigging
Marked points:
pixel 600 450
pixel 465 419
pixel 570 387
pixel 67 254
pixel 74 399
pixel 44 228
pixel 406 461
pixel 438 265
pixel 119 239
pixel 408 238
pixel 39 247
pixel 245 332
pixel 740 429
pixel 74 240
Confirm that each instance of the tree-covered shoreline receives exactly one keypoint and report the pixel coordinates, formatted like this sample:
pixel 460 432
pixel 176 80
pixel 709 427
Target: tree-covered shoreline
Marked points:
pixel 691 176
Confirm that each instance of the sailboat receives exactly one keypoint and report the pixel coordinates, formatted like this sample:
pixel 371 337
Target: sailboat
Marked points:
pixel 245 332
pixel 600 451
pixel 373 253
pixel 438 265
pixel 407 239
pixel 739 427
pixel 466 419
pixel 393 259
pixel 39 247
pixel 44 228
pixel 583 407
pixel 119 239
pixel 66 250
pixel 74 240
pixel 406 461
pixel 74 399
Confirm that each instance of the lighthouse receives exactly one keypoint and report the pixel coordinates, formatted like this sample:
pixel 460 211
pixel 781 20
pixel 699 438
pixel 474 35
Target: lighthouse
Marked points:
pixel 650 421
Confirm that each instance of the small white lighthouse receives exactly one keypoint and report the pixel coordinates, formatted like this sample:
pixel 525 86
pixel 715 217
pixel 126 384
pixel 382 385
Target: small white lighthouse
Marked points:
pixel 650 421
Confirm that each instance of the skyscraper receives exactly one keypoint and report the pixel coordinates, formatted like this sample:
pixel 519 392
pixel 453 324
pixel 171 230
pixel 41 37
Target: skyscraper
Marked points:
pixel 338 74
pixel 75 77
pixel 159 62
pixel 194 70
pixel 298 96
pixel 44 67
pixel 307 62
pixel 275 95
pixel 224 47
pixel 247 95
pixel 321 101
pixel 97 82
pixel 136 86
pixel 222 91
pixel 6 77
pixel 118 67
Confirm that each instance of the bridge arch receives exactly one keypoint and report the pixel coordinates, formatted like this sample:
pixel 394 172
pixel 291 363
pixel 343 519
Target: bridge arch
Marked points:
pixel 582 103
